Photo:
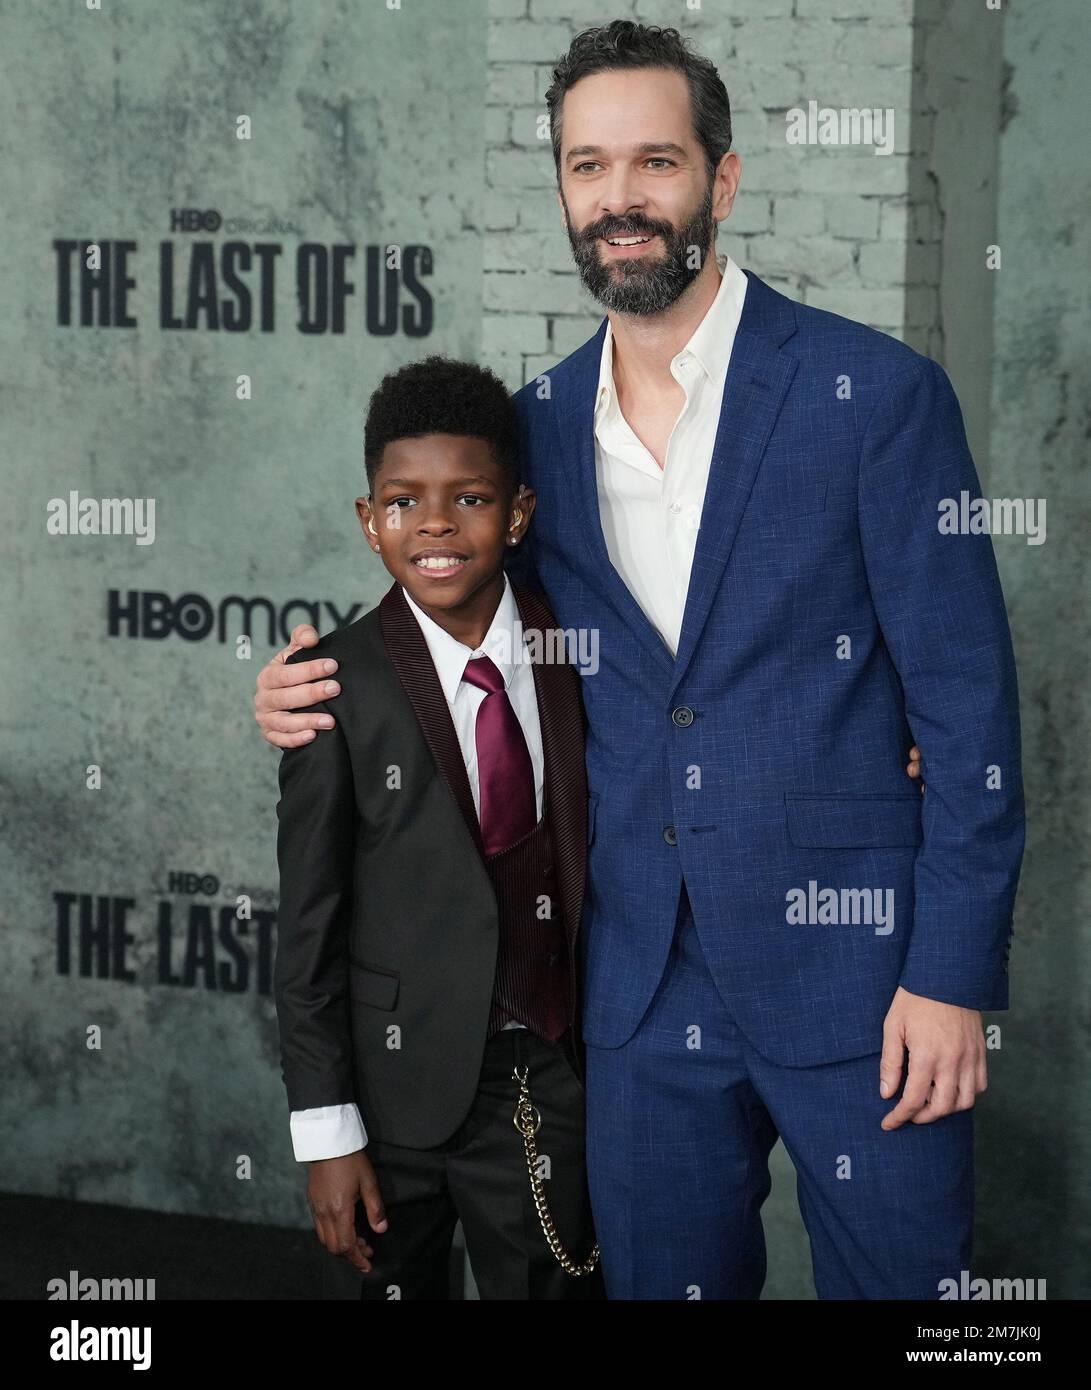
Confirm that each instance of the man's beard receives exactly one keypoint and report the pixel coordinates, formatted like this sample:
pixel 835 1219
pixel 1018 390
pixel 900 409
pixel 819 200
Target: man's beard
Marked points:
pixel 645 284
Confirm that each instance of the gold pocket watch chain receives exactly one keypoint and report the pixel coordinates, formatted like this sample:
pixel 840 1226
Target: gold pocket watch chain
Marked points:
pixel 527 1120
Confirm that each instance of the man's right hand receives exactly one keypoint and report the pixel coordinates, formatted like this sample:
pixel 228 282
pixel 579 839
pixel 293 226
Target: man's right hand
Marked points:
pixel 283 688
pixel 333 1186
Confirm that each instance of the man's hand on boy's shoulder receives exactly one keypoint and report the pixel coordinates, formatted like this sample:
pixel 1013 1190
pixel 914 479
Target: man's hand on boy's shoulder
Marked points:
pixel 333 1187
pixel 283 687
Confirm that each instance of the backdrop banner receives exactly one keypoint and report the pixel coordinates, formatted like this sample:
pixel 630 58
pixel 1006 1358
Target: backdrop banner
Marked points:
pixel 222 224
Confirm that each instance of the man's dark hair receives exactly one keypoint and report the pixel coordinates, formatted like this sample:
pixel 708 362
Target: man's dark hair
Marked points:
pixel 624 44
pixel 441 396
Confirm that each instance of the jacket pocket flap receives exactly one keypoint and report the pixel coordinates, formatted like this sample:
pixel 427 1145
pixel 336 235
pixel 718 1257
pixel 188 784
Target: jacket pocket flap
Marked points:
pixel 379 988
pixel 869 822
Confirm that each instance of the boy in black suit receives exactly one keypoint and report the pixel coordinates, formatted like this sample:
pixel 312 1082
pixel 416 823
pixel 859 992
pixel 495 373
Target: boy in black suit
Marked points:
pixel 432 851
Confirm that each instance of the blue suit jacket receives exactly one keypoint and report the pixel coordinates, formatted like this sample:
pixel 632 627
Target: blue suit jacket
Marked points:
pixel 828 625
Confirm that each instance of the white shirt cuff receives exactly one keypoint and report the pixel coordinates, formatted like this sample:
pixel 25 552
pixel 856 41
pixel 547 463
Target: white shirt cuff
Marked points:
pixel 328 1131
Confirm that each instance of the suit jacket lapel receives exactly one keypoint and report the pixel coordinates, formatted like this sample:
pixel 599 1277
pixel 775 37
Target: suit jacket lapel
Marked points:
pixel 758 378
pixel 575 417
pixel 559 713
pixel 561 718
pixel 412 662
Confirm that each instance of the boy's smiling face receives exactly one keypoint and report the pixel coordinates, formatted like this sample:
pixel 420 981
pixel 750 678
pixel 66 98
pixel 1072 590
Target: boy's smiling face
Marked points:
pixel 444 514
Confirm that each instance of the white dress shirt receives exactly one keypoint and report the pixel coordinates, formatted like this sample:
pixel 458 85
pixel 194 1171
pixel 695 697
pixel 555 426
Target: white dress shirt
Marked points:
pixel 449 656
pixel 650 515
pixel 328 1131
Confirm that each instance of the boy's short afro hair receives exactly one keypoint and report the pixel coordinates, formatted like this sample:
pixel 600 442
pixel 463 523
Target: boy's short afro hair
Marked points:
pixel 441 396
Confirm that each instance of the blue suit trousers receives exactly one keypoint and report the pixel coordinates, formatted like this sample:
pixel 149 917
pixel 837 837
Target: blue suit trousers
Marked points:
pixel 680 1123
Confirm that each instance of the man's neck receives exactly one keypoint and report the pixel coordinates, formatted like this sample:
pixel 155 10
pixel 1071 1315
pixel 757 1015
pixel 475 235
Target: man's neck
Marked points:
pixel 645 344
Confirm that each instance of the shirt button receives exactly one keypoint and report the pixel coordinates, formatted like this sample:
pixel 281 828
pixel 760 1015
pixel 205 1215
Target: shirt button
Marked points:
pixel 676 507
pixel 670 835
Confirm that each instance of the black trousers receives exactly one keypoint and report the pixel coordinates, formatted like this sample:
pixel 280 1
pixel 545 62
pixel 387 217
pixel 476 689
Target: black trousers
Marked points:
pixel 480 1176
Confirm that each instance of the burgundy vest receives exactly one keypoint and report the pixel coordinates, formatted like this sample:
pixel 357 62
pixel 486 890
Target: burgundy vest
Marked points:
pixel 533 983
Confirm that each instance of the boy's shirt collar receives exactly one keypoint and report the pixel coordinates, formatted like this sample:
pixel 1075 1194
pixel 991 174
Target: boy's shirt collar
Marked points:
pixel 449 655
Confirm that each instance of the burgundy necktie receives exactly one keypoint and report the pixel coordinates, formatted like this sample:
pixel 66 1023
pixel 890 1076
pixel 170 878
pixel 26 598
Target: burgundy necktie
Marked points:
pixel 508 805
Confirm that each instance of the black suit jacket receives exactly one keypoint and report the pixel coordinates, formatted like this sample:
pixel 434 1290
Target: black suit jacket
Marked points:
pixel 387 927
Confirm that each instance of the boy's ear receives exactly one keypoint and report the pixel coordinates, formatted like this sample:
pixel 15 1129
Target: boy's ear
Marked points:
pixel 367 521
pixel 522 509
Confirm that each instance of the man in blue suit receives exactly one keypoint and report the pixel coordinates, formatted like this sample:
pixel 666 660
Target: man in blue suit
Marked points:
pixel 739 495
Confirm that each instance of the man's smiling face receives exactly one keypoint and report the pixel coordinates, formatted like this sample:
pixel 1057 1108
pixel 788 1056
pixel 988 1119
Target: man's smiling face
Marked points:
pixel 635 188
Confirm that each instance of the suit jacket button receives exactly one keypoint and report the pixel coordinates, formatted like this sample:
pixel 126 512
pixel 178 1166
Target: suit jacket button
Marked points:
pixel 670 835
pixel 682 716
